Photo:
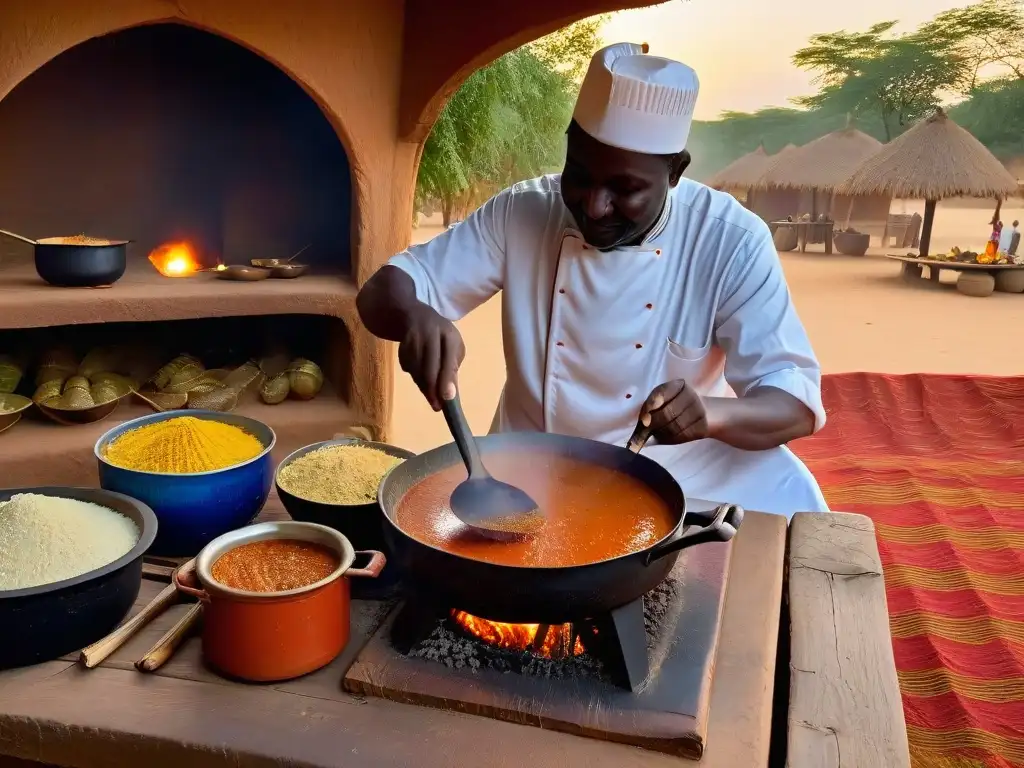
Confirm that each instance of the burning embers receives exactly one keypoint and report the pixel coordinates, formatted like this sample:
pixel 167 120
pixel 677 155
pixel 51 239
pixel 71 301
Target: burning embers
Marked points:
pixel 544 640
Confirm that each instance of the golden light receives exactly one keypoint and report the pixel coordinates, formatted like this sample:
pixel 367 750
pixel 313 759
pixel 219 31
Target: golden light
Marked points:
pixel 175 260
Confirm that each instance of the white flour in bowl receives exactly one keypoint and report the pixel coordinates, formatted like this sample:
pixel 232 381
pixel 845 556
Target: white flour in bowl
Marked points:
pixel 44 539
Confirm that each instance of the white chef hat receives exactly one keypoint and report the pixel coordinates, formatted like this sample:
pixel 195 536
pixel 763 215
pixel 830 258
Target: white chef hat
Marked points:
pixel 638 102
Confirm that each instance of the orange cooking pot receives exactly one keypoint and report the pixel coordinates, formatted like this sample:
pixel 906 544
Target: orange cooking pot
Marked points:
pixel 268 636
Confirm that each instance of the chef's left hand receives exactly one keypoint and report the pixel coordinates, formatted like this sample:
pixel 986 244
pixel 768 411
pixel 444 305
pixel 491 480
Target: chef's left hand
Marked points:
pixel 675 413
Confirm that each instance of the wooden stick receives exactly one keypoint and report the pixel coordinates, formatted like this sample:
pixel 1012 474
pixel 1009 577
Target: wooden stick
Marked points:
pixel 168 644
pixel 101 649
pixel 157 572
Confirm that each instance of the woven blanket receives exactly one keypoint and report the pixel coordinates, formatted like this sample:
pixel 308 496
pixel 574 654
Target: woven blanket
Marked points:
pixel 938 463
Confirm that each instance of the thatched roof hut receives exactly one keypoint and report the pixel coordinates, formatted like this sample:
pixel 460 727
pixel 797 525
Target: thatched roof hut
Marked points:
pixel 742 173
pixel 824 163
pixel 817 168
pixel 935 159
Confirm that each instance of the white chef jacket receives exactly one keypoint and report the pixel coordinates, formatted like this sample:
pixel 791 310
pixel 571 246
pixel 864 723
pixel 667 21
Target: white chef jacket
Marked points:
pixel 588 334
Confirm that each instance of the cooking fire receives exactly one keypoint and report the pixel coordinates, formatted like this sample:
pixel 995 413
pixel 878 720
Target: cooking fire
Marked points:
pixel 544 640
pixel 175 260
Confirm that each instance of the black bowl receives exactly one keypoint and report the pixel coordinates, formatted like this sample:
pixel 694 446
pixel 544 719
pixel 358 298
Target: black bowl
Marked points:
pixel 81 266
pixel 45 622
pixel 361 524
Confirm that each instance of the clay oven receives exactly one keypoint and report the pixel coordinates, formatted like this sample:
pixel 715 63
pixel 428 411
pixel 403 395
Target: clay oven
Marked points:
pixel 249 130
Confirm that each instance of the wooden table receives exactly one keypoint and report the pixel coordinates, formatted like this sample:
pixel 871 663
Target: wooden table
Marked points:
pixel 912 266
pixel 832 700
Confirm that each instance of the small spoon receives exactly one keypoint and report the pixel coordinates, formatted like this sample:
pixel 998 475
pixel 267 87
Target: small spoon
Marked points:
pixel 490 507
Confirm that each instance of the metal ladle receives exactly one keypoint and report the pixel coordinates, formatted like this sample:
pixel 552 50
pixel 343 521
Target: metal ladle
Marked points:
pixel 490 507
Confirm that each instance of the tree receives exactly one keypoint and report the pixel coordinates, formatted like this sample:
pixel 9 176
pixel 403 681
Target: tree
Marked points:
pixel 835 56
pixel 981 35
pixel 899 80
pixel 507 121
pixel 570 49
pixel 995 115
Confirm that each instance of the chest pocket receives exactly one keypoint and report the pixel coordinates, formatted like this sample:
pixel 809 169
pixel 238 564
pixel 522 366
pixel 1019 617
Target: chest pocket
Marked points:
pixel 700 367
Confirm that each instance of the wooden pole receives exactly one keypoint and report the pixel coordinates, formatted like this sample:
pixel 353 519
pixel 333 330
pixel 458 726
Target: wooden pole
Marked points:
pixel 926 226
pixel 849 214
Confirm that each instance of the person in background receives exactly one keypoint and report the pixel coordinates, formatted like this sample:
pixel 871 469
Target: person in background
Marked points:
pixel 629 294
pixel 1012 240
pixel 1005 237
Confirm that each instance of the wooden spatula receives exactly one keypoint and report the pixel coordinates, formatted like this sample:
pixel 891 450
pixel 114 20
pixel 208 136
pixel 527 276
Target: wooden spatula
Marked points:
pixel 492 508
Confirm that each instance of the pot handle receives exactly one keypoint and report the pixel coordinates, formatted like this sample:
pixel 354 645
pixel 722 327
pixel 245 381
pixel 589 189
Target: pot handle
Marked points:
pixel 184 578
pixel 721 525
pixel 373 568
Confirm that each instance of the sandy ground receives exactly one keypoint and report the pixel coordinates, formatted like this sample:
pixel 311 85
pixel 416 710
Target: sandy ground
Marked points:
pixel 860 316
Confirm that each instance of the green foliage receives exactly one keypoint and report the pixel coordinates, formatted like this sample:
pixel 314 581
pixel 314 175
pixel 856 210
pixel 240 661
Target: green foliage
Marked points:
pixel 570 49
pixel 888 82
pixel 507 121
pixel 987 33
pixel 898 80
pixel 995 115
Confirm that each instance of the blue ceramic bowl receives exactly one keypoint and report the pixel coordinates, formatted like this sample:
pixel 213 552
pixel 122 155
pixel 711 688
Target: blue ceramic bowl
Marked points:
pixel 194 509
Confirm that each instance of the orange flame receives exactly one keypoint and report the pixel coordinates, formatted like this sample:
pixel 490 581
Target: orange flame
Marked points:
pixel 521 637
pixel 175 260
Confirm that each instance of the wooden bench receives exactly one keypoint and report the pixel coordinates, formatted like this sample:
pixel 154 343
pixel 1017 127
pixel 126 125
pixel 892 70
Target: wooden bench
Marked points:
pixel 845 709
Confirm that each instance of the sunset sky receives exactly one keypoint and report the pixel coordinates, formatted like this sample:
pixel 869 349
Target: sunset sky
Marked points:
pixel 742 49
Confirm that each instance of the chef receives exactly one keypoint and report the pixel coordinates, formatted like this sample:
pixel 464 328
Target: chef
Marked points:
pixel 630 294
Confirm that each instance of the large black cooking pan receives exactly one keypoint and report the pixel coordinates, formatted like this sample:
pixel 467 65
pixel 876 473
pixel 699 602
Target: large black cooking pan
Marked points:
pixel 77 265
pixel 545 595
pixel 45 622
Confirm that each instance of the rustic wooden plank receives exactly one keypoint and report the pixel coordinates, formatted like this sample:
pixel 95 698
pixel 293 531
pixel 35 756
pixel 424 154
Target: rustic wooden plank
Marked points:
pixel 845 709
pixel 739 726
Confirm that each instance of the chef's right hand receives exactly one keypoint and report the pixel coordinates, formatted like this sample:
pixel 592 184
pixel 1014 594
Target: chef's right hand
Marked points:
pixel 431 353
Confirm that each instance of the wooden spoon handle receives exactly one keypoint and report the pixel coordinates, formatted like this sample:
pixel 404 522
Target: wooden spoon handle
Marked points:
pixel 16 236
pixel 165 647
pixel 101 649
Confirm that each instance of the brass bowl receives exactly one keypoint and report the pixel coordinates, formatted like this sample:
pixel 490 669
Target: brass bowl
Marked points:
pixel 267 263
pixel 90 415
pixel 11 408
pixel 287 271
pixel 240 272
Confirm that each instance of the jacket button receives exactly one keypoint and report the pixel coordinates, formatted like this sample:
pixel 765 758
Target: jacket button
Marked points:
pixel 650 306
pixel 559 343
pixel 628 395
pixel 561 290
pixel 639 345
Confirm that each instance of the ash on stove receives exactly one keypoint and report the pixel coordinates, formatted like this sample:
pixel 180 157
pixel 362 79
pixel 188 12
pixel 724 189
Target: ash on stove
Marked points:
pixel 658 604
pixel 456 649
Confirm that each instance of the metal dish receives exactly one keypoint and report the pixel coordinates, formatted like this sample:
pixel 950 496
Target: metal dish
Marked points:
pixel 11 409
pixel 549 595
pixel 193 509
pixel 242 273
pixel 45 622
pixel 287 271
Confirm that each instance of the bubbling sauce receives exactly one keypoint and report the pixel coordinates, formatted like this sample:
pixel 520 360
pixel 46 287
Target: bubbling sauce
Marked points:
pixel 592 513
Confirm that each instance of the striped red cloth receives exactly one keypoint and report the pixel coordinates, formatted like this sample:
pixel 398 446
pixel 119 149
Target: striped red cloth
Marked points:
pixel 938 463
